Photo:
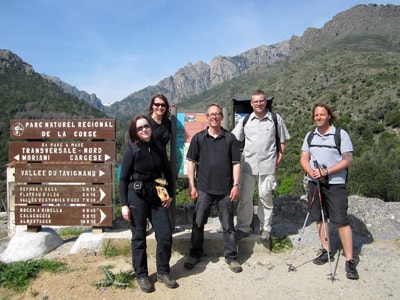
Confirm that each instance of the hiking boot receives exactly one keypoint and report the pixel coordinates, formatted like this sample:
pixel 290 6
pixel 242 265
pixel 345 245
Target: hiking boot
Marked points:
pixel 351 271
pixel 265 235
pixel 234 265
pixel 190 262
pixel 145 284
pixel 167 280
pixel 323 258
pixel 241 234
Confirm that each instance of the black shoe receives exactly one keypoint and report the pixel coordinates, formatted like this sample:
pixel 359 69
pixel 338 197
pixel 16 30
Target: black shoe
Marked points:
pixel 241 234
pixel 323 258
pixel 145 284
pixel 234 265
pixel 190 262
pixel 351 271
pixel 167 280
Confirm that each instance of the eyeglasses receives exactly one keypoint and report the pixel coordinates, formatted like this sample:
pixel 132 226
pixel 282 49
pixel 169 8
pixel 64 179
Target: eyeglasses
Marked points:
pixel 160 104
pixel 216 115
pixel 140 128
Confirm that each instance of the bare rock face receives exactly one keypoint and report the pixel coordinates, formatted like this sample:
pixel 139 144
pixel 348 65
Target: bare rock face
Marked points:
pixel 194 79
pixel 361 19
pixel 67 88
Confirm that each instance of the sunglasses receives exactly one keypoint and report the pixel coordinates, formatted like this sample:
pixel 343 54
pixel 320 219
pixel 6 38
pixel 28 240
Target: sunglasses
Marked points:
pixel 140 128
pixel 160 104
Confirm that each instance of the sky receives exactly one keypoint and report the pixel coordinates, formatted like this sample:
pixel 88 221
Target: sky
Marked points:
pixel 114 48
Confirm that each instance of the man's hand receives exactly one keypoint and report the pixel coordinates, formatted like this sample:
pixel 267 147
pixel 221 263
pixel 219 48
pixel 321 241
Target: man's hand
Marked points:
pixel 234 193
pixel 193 193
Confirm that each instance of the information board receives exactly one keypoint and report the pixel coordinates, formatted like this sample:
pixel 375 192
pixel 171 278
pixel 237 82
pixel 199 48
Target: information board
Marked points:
pixel 187 125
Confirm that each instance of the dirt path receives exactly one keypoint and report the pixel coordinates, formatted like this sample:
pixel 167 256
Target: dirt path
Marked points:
pixel 263 276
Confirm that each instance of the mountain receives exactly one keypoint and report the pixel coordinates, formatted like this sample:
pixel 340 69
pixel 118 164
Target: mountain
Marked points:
pixel 194 79
pixel 378 22
pixel 89 98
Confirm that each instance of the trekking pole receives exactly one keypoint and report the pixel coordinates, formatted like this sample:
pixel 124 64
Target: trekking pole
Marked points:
pixel 317 166
pixel 291 267
pixel 337 262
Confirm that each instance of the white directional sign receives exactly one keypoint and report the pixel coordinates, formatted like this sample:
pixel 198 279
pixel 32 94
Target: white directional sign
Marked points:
pixel 58 172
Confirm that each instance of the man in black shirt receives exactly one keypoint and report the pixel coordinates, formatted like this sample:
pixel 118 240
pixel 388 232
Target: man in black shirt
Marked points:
pixel 214 156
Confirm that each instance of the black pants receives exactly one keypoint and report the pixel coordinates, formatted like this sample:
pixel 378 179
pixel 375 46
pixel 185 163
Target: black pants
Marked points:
pixel 202 211
pixel 159 218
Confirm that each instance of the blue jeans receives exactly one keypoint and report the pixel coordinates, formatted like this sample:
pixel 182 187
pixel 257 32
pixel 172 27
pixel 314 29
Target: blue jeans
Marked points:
pixel 159 218
pixel 202 211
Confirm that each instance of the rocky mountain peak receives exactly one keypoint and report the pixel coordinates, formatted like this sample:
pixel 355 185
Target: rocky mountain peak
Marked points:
pixel 9 60
pixel 361 19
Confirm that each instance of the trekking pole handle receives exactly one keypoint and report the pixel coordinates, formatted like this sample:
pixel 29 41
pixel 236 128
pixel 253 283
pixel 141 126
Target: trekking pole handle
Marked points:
pixel 316 164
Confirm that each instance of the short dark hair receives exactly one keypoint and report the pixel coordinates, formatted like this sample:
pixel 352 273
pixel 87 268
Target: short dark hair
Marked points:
pixel 133 135
pixel 258 92
pixel 328 109
pixel 217 105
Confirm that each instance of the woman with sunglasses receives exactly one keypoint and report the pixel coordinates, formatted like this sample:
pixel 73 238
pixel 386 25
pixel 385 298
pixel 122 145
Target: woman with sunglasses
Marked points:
pixel 159 118
pixel 145 160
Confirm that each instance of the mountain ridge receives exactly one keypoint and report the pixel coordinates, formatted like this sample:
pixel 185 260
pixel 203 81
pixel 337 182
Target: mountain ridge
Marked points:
pixel 194 79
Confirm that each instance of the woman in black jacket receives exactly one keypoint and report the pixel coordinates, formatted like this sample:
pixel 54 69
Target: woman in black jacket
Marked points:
pixel 159 118
pixel 145 160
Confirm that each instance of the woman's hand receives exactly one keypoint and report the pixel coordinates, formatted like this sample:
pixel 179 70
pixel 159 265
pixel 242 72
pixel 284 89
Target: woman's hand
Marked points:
pixel 166 203
pixel 126 213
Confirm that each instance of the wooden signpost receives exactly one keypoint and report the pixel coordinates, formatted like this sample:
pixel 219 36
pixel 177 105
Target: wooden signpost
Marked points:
pixel 63 172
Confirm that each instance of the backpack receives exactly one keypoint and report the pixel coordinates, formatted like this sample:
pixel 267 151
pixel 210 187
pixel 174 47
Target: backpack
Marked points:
pixel 336 137
pixel 274 118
